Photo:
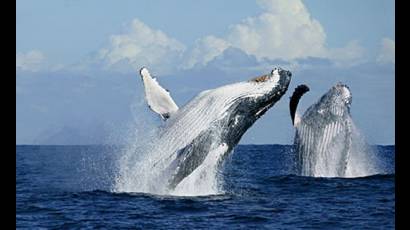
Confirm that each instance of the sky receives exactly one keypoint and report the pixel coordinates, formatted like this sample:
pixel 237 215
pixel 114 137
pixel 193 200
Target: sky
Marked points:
pixel 77 61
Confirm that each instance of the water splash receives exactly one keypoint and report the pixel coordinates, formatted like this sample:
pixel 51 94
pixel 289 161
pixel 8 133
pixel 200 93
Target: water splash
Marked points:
pixel 132 163
pixel 362 160
pixel 145 164
pixel 205 179
pixel 339 150
pixel 140 171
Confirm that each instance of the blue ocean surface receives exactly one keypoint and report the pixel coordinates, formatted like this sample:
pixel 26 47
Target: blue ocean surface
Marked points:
pixel 71 187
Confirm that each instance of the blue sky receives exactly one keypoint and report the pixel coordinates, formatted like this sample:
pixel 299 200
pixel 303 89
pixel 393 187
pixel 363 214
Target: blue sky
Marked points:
pixel 76 61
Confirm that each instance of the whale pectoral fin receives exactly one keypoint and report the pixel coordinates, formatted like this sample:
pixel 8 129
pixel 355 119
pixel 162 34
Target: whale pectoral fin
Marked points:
pixel 294 100
pixel 159 100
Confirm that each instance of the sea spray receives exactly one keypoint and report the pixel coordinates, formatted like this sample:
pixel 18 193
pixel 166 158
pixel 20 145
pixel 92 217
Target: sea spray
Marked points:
pixel 205 179
pixel 347 153
pixel 137 139
pixel 145 165
pixel 362 160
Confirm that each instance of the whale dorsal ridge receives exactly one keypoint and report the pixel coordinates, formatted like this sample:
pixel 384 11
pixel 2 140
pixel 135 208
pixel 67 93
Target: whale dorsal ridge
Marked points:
pixel 159 100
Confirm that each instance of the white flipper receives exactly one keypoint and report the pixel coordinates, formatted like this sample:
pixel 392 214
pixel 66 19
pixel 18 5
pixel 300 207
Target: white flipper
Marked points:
pixel 159 100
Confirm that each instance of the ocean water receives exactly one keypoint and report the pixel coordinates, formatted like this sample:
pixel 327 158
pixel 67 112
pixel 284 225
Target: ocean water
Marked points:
pixel 71 187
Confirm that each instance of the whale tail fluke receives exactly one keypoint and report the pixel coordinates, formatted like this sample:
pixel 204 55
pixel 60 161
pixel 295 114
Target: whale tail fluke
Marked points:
pixel 294 100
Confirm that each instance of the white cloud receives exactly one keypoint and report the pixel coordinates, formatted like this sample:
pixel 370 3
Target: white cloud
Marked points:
pixel 29 61
pixel 204 50
pixel 142 46
pixel 387 51
pixel 285 30
pixel 351 54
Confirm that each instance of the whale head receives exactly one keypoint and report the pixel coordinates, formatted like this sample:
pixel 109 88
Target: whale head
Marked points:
pixel 340 93
pixel 270 88
pixel 245 102
pixel 336 101
pixel 220 117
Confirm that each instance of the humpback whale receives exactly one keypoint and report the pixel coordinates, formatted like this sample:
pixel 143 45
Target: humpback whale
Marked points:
pixel 209 126
pixel 323 139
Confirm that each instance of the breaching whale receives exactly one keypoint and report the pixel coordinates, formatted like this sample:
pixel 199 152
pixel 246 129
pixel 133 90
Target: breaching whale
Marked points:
pixel 209 126
pixel 323 139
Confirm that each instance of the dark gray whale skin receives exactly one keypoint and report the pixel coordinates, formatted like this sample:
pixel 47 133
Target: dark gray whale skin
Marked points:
pixel 241 116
